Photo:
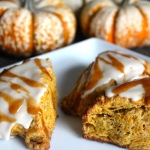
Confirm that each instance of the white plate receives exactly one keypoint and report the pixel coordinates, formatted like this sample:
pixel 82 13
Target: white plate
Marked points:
pixel 68 63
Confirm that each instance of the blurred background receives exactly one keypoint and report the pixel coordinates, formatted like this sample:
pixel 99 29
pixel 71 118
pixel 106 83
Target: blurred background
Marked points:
pixel 122 22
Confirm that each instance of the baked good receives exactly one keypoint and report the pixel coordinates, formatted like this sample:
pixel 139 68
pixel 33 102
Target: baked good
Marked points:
pixel 109 68
pixel 28 100
pixel 121 116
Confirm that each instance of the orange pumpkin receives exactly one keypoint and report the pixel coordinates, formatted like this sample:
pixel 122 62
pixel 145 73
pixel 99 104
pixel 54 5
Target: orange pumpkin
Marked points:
pixel 28 28
pixel 126 24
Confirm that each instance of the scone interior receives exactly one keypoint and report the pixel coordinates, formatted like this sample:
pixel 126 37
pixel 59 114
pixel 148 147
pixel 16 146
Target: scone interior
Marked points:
pixel 121 116
pixel 109 68
pixel 28 102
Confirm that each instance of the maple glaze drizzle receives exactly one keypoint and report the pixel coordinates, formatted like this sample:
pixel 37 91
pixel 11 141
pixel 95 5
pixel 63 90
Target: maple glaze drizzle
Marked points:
pixel 29 82
pixel 18 87
pixel 3 118
pixel 1 80
pixel 32 106
pixel 97 75
pixel 145 82
pixel 38 63
pixel 113 65
pixel 14 104
pixel 114 62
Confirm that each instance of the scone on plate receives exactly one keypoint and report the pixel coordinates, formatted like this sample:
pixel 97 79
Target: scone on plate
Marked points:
pixel 109 68
pixel 121 116
pixel 28 102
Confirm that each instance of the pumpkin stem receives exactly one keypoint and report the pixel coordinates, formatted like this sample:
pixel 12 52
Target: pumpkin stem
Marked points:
pixel 124 3
pixel 84 2
pixel 20 2
pixel 29 4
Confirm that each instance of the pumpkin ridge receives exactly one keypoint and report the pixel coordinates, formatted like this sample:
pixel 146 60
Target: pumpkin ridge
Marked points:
pixel 87 29
pixel 1 37
pixel 94 10
pixel 112 33
pixel 83 2
pixel 65 30
pixel 22 37
pixel 32 47
pixel 144 25
pixel 10 34
pixel 2 11
pixel 13 35
pixel 29 5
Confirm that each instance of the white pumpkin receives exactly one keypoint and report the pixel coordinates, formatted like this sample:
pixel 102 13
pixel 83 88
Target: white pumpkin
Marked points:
pixel 27 28
pixel 127 25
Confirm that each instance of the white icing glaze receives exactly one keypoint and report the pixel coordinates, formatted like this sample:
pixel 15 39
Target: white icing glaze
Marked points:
pixel 134 93
pixel 31 71
pixel 133 68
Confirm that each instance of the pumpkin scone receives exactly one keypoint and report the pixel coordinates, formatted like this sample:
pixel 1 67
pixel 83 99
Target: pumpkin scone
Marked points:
pixel 112 97
pixel 28 102
pixel 121 116
pixel 109 68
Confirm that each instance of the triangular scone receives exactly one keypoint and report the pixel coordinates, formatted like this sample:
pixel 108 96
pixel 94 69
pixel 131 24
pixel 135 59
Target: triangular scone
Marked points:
pixel 109 68
pixel 121 116
pixel 28 101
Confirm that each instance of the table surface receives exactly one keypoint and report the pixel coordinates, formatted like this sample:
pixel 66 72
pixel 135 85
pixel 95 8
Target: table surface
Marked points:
pixel 7 60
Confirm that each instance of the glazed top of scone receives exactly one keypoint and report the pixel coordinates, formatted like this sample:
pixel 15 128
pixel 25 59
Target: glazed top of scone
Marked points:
pixel 113 65
pixel 21 88
pixel 134 90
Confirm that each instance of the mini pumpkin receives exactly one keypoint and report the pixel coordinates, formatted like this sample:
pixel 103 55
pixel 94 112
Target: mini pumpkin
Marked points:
pixel 28 28
pixel 126 24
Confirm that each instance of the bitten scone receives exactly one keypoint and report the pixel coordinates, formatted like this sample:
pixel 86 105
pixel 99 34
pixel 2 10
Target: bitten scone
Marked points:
pixel 109 68
pixel 28 101
pixel 121 116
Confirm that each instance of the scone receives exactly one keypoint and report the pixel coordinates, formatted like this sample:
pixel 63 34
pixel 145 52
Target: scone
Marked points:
pixel 109 68
pixel 121 116
pixel 28 102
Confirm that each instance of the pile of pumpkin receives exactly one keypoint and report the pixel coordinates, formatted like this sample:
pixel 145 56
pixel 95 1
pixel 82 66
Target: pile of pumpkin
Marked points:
pixel 30 27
